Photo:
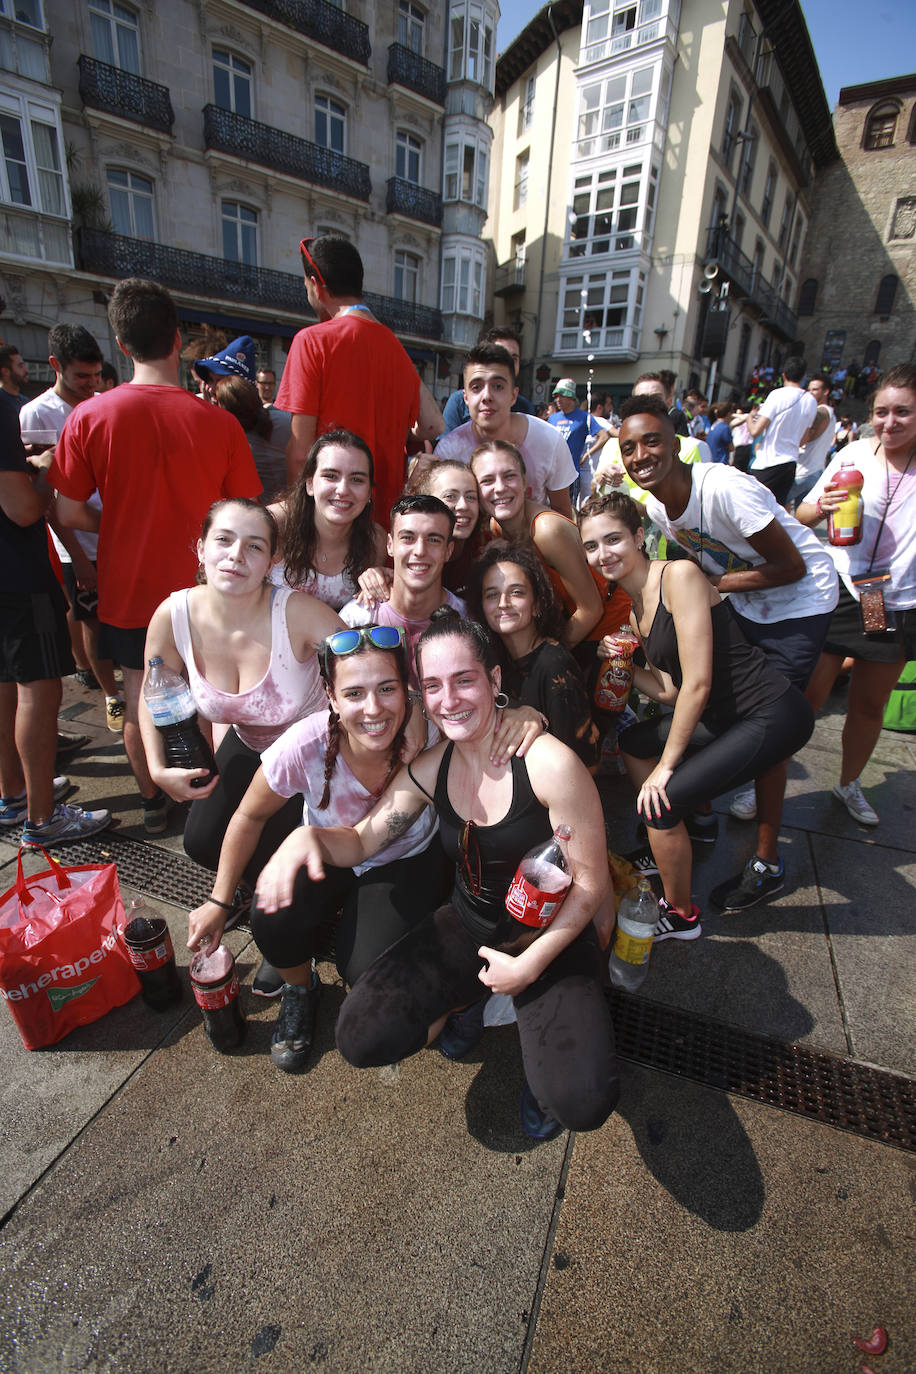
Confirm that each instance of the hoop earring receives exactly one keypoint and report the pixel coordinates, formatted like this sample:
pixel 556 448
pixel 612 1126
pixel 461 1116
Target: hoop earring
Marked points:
pixel 500 701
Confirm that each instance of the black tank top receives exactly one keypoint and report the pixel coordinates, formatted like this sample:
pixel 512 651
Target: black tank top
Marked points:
pixel 743 679
pixel 501 847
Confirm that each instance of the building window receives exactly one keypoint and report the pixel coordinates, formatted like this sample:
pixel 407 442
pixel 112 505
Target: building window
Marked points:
pixel 834 343
pixel 518 246
pixel 520 196
pixel 732 120
pixel 884 302
pixel 872 353
pixel 807 296
pixel 240 233
pixel 881 125
pixel 231 82
pixel 411 21
pixel 330 124
pixel 26 11
pixel 462 284
pixel 31 172
pixel 470 45
pixel 407 157
pixel 50 176
pixel 904 222
pixel 526 108
pixel 596 309
pixel 115 34
pixel 607 210
pixel 784 221
pixel 757 260
pixel 744 348
pixel 465 172
pixel 796 239
pixel 749 158
pixel 738 231
pixel 406 276
pixel 614 110
pixel 769 191
pixel 130 197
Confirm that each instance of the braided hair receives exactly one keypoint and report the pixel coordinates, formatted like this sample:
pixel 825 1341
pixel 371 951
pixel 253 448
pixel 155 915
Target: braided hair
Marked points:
pixel 329 663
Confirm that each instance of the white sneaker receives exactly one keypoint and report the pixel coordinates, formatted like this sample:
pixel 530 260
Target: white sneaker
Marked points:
pixel 744 804
pixel 855 803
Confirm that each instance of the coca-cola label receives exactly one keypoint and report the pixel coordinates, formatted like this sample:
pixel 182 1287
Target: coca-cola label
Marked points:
pixel 530 905
pixel 214 998
pixel 146 960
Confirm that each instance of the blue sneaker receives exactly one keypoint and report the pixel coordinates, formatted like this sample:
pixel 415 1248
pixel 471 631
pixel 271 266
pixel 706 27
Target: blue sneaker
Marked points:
pixel 462 1031
pixel 755 884
pixel 536 1123
pixel 13 810
pixel 67 824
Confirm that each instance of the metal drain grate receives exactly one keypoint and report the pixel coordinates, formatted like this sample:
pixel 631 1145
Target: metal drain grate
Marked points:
pixel 853 1097
pixel 155 871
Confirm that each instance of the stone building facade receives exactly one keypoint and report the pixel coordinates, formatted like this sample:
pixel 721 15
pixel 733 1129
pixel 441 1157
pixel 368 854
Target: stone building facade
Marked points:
pixel 197 141
pixel 857 302
pixel 665 227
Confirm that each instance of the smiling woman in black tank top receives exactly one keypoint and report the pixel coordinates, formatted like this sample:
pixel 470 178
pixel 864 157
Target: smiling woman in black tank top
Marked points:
pixel 401 1002
pixel 734 714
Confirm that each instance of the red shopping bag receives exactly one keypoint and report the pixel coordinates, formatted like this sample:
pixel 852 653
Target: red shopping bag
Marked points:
pixel 62 964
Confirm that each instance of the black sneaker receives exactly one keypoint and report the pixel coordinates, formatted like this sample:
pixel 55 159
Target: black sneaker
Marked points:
pixel 746 889
pixel 292 1038
pixel 87 678
pixel 674 925
pixel 155 812
pixel 267 981
pixel 642 861
pixel 462 1031
pixel 536 1123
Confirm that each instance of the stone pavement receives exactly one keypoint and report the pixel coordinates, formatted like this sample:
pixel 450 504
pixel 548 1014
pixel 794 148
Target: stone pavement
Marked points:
pixel 164 1208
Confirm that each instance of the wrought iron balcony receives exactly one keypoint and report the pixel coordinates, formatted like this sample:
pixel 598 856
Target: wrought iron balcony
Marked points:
pixel 404 317
pixel 407 68
pixel 261 143
pixel 114 255
pixel 326 23
pixel 509 277
pixel 103 87
pixel 406 198
pixel 750 282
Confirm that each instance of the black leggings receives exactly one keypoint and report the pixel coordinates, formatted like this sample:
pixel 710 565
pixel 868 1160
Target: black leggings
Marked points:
pixel 208 819
pixel 564 1022
pixel 378 907
pixel 717 762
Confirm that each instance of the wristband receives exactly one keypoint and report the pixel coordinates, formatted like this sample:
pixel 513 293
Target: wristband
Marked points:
pixel 227 906
pixel 545 723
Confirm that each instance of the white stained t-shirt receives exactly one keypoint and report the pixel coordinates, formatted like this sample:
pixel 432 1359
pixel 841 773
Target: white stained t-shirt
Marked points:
pixel 295 763
pixel 354 614
pixel 49 411
pixel 548 462
pixel 812 458
pixel 790 412
pixel 896 545
pixel 726 507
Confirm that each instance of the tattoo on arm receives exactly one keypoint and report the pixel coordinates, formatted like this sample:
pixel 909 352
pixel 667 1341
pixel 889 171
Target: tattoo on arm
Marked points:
pixel 400 821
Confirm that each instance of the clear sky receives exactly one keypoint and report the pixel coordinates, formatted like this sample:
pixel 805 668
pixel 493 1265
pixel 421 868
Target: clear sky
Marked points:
pixel 853 42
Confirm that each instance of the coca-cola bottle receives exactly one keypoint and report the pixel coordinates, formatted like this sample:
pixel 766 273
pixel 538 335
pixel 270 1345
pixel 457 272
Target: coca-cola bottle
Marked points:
pixel 170 703
pixel 541 882
pixel 612 690
pixel 215 984
pixel 149 948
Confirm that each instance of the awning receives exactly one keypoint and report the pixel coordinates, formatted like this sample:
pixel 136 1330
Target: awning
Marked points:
pixel 236 326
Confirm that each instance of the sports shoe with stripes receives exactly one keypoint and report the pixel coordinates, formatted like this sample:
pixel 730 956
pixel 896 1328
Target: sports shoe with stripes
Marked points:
pixel 674 925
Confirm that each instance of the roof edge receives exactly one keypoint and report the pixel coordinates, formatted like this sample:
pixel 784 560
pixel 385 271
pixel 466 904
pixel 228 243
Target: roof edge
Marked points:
pixel 535 38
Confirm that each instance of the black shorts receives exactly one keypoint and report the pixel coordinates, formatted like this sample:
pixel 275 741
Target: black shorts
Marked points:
pixel 792 646
pixel 34 639
pixel 83 603
pixel 847 639
pixel 125 647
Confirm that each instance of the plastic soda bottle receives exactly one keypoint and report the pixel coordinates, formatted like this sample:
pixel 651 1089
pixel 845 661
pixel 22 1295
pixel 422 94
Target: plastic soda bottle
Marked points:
pixel 215 984
pixel 844 525
pixel 541 882
pixel 612 689
pixel 149 948
pixel 171 705
pixel 636 920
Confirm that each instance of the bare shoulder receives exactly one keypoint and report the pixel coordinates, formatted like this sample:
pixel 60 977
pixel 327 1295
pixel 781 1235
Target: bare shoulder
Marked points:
pixel 311 618
pixel 425 767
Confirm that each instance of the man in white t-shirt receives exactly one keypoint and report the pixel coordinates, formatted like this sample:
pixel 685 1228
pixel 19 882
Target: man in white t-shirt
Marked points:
pixel 489 391
pixel 419 545
pixel 786 420
pixel 780 582
pixel 812 457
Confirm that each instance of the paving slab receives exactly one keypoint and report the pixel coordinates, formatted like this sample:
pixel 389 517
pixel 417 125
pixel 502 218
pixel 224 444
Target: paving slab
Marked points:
pixel 870 910
pixel 219 1212
pixel 701 1233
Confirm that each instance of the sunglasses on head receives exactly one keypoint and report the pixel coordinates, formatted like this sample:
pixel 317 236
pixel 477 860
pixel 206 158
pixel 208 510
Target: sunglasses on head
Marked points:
pixel 343 642
pixel 469 865
pixel 304 250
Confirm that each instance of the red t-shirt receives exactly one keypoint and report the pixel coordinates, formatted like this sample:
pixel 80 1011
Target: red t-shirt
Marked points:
pixel 352 373
pixel 159 457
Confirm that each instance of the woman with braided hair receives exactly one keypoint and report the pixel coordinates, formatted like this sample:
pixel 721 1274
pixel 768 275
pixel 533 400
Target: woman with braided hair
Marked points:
pixel 340 763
